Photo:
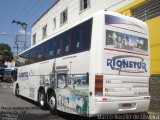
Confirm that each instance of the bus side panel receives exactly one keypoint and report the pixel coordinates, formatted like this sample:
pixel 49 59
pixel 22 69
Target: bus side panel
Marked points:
pixel 72 83
pixel 28 81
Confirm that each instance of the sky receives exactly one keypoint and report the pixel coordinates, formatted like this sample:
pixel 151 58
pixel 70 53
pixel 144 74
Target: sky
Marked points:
pixel 27 11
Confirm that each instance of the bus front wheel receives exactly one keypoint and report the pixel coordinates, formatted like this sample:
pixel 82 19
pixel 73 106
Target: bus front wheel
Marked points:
pixel 52 103
pixel 17 91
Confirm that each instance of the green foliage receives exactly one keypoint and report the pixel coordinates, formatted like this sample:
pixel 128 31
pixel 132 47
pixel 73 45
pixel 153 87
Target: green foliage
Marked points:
pixel 5 53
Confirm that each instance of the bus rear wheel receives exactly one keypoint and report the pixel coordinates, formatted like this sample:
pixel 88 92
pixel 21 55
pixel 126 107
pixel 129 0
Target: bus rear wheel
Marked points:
pixel 52 103
pixel 42 100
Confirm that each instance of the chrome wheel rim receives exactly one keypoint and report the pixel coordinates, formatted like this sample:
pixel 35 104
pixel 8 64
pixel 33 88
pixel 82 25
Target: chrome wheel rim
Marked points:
pixel 17 91
pixel 41 99
pixel 52 102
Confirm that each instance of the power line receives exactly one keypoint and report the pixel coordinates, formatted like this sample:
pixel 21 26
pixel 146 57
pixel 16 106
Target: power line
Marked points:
pixel 27 13
pixel 35 6
pixel 38 10
pixel 72 10
pixel 24 9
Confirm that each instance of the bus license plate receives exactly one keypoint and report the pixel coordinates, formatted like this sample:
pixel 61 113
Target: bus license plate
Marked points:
pixel 126 106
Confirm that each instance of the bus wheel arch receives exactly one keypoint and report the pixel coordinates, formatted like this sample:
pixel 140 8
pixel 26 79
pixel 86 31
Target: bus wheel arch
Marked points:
pixel 42 99
pixel 52 101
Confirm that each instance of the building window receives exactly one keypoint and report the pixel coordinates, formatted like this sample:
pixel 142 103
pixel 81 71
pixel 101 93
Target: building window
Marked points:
pixel 84 4
pixel 63 17
pixel 147 11
pixel 34 39
pixel 54 23
pixel 44 31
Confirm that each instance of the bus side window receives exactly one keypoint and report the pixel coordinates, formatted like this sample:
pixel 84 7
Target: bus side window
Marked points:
pixel 52 47
pixel 75 40
pixel 58 51
pixel 27 56
pixel 77 44
pixel 46 51
pixel 67 48
pixel 41 53
pixel 81 39
pixel 67 43
pixel 58 47
pixel 51 53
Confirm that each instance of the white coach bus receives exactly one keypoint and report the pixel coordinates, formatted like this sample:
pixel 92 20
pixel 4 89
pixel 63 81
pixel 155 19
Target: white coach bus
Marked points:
pixel 101 65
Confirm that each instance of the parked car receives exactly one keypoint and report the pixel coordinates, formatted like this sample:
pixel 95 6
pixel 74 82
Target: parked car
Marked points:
pixel 7 75
pixel 1 74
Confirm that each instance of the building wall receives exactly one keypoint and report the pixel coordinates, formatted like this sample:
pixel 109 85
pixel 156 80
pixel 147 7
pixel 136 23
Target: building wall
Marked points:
pixel 74 15
pixel 127 8
pixel 154 30
pixel 10 64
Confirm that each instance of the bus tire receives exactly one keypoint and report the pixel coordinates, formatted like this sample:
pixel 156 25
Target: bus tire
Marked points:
pixel 17 91
pixel 52 103
pixel 42 99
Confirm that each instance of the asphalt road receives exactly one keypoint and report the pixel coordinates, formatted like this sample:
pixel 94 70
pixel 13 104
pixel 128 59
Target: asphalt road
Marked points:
pixel 14 108
pixel 19 108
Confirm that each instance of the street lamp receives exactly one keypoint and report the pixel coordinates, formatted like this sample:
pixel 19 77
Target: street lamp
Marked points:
pixel 4 33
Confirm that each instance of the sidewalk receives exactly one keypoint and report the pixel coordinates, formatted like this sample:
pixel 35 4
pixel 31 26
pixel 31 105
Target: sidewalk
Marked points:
pixel 155 95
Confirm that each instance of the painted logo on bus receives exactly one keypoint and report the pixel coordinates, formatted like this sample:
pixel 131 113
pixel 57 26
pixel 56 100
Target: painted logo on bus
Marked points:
pixel 23 75
pixel 126 63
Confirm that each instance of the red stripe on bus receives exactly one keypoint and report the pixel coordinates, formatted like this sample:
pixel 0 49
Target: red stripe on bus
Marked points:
pixel 125 51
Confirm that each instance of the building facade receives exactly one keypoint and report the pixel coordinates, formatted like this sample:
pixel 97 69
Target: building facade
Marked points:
pixel 64 13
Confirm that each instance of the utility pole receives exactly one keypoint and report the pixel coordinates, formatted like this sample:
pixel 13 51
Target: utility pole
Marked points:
pixel 19 42
pixel 24 26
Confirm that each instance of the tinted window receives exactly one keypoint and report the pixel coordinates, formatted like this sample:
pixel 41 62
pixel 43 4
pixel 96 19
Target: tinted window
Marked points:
pixel 75 40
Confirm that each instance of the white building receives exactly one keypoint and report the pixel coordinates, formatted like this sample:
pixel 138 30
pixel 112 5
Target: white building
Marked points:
pixel 65 13
pixel 10 64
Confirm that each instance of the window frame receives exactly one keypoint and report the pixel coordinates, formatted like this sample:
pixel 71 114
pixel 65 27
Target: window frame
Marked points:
pixel 34 39
pixel 44 31
pixel 54 23
pixel 82 5
pixel 64 17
